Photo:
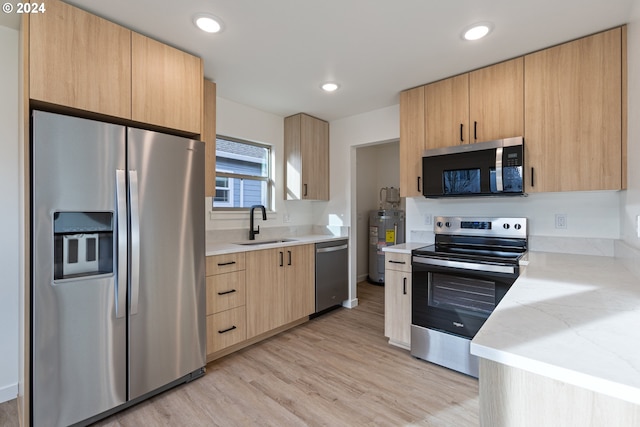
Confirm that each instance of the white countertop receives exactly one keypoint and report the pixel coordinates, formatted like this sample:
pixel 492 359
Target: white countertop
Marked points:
pixel 573 318
pixel 404 248
pixel 219 248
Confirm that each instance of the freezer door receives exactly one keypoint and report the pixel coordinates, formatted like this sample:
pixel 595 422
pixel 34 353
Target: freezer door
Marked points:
pixel 167 290
pixel 78 353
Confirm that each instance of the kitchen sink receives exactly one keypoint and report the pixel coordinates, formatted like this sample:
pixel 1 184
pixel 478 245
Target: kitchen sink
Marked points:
pixel 265 242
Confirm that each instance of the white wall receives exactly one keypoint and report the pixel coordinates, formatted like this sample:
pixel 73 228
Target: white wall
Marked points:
pixel 630 202
pixel 244 122
pixel 589 214
pixel 10 214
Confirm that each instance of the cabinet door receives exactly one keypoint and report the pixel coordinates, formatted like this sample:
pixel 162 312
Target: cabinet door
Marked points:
pixel 496 101
pixel 412 142
pixel 573 98
pixel 447 112
pixel 315 158
pixel 397 307
pixel 265 290
pixel 306 151
pixel 79 60
pixel 166 85
pixel 299 285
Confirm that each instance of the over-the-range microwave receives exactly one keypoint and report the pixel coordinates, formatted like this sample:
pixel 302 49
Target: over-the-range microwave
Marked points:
pixel 492 168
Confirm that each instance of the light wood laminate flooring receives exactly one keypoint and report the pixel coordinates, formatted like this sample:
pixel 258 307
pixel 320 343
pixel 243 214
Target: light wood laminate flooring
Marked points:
pixel 335 370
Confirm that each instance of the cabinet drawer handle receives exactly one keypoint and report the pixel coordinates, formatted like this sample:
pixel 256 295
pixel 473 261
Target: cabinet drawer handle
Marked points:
pixel 475 131
pixel 227 292
pixel 222 264
pixel 281 258
pixel 419 184
pixel 289 252
pixel 227 330
pixel 397 262
pixel 461 132
pixel 404 285
pixel 532 177
pixel 305 191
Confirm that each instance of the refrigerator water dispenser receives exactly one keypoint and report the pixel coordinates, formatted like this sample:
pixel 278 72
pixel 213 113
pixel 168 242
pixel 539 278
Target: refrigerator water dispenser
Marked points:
pixel 83 244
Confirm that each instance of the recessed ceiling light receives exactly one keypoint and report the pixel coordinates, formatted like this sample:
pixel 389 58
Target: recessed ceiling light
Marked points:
pixel 477 31
pixel 208 23
pixel 330 87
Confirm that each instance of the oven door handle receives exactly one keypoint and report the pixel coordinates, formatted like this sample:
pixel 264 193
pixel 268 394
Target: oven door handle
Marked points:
pixel 464 265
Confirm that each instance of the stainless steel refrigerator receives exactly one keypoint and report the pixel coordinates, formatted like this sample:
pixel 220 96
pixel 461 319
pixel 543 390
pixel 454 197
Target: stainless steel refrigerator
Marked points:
pixel 118 266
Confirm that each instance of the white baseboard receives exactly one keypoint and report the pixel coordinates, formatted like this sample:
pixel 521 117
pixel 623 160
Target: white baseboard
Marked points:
pixel 350 303
pixel 362 277
pixel 8 392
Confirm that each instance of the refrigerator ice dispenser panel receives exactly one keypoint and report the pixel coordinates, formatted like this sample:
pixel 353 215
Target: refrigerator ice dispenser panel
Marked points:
pixel 83 244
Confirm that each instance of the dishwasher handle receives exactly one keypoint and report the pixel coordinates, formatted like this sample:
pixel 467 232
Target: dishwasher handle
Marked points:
pixel 332 248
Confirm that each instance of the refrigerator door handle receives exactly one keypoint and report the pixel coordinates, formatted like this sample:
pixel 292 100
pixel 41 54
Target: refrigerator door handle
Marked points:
pixel 135 242
pixel 121 220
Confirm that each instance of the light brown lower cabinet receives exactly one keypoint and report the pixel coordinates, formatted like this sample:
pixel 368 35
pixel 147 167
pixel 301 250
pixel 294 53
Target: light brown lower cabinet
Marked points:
pixel 226 296
pixel 280 287
pixel 226 328
pixel 255 294
pixel 397 299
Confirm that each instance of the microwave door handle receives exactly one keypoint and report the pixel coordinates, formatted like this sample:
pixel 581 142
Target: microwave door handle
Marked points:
pixel 135 242
pixel 499 184
pixel 121 221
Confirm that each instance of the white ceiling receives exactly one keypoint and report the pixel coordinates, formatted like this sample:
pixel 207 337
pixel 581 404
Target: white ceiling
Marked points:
pixel 273 55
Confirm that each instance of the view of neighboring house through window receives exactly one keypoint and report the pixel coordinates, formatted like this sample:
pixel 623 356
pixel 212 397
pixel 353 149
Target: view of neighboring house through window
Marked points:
pixel 243 174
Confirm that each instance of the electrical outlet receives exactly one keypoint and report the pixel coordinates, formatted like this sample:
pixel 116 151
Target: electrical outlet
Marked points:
pixel 561 221
pixel 286 218
pixel 428 219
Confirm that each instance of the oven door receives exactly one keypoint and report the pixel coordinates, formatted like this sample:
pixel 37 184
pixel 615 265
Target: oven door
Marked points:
pixel 457 299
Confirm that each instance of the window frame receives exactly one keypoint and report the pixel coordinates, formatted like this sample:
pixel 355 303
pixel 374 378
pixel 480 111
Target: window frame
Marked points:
pixel 270 184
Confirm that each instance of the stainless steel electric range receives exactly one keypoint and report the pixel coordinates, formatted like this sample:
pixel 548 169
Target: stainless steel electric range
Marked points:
pixel 458 281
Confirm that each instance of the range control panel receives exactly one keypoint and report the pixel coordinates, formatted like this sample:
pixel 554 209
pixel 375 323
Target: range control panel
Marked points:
pixel 481 226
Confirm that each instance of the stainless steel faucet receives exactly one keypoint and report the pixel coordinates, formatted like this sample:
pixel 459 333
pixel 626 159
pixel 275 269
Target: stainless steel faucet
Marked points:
pixel 252 232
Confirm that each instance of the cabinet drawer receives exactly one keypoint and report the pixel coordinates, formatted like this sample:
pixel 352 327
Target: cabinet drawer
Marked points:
pixel 225 263
pixel 225 329
pixel 225 291
pixel 398 262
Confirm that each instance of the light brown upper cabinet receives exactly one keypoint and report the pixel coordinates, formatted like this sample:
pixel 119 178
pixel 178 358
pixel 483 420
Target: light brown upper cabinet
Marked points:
pixel 447 112
pixel 412 142
pixel 306 153
pixel 79 60
pixel 482 105
pixel 82 61
pixel 208 136
pixel 574 113
pixel 167 85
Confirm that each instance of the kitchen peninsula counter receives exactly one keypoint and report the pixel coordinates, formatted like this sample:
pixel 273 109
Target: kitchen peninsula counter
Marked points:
pixel 570 318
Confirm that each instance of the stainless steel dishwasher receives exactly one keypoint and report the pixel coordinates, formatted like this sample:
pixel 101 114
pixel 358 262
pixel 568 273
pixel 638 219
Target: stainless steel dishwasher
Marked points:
pixel 332 273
